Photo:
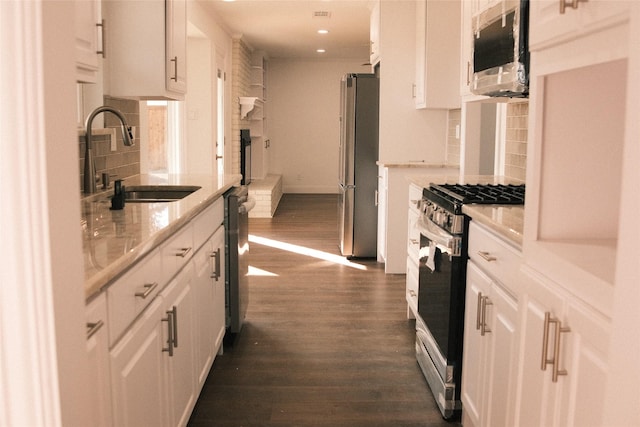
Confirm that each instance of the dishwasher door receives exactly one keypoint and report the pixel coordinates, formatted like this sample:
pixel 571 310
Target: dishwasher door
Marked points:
pixel 236 221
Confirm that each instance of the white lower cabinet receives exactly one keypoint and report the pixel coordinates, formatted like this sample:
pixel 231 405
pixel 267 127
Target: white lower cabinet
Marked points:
pixel 99 367
pixel 139 384
pixel 179 322
pixel 209 290
pixel 563 367
pixel 490 352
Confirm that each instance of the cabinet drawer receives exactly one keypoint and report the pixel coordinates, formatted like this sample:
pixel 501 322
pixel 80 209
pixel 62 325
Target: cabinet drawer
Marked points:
pixel 205 224
pixel 495 256
pixel 177 251
pixel 132 293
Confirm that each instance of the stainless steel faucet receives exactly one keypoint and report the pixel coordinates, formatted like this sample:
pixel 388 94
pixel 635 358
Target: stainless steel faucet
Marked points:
pixel 90 178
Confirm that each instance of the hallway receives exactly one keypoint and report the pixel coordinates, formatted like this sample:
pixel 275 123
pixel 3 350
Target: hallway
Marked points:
pixel 326 341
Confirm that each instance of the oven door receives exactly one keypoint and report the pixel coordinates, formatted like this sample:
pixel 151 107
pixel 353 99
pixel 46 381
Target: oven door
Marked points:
pixel 442 276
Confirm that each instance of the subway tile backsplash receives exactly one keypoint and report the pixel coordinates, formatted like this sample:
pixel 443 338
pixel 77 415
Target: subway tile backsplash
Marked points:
pixel 124 162
pixel 515 165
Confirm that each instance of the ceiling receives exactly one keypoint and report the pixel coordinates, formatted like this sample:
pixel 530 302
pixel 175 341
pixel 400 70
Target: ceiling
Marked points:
pixel 288 28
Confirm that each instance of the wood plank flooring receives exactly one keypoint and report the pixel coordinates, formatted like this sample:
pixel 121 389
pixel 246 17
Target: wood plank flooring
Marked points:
pixel 324 343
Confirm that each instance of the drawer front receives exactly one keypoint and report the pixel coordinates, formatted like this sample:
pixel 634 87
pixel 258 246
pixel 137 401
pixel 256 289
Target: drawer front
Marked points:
pixel 205 224
pixel 177 251
pixel 413 236
pixel 496 257
pixel 132 293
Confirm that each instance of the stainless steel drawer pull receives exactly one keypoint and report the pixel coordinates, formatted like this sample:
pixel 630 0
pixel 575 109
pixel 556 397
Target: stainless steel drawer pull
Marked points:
pixel 93 327
pixel 412 293
pixel 414 241
pixel 103 50
pixel 216 270
pixel 175 68
pixel 569 3
pixel 483 327
pixel 148 288
pixel 169 347
pixel 183 252
pixel 555 360
pixel 479 312
pixel 486 256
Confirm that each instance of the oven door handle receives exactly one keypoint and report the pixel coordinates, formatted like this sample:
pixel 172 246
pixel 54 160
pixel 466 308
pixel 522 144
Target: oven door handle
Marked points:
pixel 431 231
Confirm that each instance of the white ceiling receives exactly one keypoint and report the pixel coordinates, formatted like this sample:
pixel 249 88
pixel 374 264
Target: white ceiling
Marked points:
pixel 288 28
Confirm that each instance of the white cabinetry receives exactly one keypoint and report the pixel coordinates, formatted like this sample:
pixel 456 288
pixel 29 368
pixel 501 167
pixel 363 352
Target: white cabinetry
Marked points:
pixel 413 250
pixel 166 317
pixel 147 49
pixel 570 340
pixel 374 34
pixel 179 308
pixel 551 26
pixel 99 367
pixel 437 54
pixel 491 332
pixel 88 39
pixel 139 377
pixel 209 289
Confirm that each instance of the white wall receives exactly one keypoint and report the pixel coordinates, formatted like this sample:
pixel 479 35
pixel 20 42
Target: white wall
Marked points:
pixel 303 121
pixel 405 133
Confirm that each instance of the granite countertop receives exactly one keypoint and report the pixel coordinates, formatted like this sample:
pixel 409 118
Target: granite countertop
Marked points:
pixel 506 220
pixel 415 164
pixel 114 240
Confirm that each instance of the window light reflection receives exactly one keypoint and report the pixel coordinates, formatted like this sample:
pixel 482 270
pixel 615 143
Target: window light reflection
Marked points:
pixel 255 271
pixel 336 259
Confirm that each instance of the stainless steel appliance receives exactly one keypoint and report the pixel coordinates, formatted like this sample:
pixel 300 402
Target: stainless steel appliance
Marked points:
pixel 358 172
pixel 442 282
pixel 237 205
pixel 501 50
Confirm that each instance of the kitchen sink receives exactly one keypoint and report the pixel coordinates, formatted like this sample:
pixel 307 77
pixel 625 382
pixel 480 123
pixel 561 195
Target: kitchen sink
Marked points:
pixel 157 193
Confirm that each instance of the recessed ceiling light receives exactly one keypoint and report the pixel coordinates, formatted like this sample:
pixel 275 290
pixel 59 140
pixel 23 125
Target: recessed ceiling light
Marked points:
pixel 320 50
pixel 323 31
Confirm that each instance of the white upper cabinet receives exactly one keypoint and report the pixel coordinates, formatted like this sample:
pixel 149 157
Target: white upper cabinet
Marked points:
pixel 89 40
pixel 437 54
pixel 374 32
pixel 556 21
pixel 147 49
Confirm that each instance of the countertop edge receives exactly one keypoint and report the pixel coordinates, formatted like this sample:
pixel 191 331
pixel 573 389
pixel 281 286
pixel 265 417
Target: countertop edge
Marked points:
pixel 101 280
pixel 480 214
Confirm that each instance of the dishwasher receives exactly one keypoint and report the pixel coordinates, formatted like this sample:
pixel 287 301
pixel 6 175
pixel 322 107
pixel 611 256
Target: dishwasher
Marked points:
pixel 237 205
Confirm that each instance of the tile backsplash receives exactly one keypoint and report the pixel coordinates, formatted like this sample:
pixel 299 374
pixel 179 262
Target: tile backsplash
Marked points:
pixel 124 162
pixel 515 165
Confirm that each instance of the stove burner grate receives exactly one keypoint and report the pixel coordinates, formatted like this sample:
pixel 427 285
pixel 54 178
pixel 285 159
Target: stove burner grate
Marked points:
pixel 509 194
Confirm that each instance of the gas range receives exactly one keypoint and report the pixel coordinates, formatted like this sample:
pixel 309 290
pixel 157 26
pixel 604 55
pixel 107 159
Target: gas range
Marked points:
pixel 442 203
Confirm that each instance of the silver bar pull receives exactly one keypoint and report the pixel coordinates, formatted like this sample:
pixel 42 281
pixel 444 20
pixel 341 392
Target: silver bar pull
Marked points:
pixel 486 256
pixel 103 50
pixel 569 3
pixel 148 288
pixel 169 320
pixel 483 327
pixel 175 325
pixel 175 68
pixel 479 311
pixel 93 327
pixel 183 252
pixel 555 360
pixel 216 269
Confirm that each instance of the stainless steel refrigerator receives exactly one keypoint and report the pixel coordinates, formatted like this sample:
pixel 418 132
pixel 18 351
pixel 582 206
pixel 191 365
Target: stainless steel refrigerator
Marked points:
pixel 358 172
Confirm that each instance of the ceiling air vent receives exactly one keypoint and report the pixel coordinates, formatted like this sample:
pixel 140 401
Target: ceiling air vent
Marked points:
pixel 321 14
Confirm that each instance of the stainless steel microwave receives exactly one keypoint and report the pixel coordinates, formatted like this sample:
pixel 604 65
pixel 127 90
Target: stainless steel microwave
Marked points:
pixel 501 50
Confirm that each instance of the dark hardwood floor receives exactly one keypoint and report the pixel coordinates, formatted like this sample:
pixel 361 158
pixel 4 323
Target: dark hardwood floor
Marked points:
pixel 324 343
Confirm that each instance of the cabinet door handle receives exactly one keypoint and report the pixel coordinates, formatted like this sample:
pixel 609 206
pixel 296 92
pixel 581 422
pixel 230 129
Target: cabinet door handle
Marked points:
pixel 571 3
pixel 412 293
pixel 175 68
pixel 486 256
pixel 479 312
pixel 93 327
pixel 183 252
pixel 555 360
pixel 414 241
pixel 483 327
pixel 174 325
pixel 216 271
pixel 148 288
pixel 103 50
pixel 169 320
